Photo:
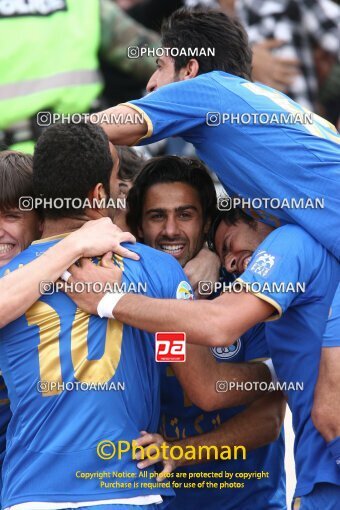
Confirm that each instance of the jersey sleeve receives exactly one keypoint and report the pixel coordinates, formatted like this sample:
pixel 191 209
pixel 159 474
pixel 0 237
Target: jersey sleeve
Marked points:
pixel 280 268
pixel 178 109
pixel 331 336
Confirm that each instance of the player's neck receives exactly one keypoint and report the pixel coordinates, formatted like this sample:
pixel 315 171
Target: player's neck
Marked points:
pixel 61 226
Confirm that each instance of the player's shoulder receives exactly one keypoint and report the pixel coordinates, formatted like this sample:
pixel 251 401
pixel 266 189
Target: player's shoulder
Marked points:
pixel 21 259
pixel 292 237
pixel 151 259
pixel 292 245
pixel 162 274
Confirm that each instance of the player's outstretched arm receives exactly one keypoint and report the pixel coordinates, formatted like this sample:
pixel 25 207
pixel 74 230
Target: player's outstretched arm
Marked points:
pixel 20 289
pixel 122 124
pixel 203 380
pixel 256 426
pixel 215 323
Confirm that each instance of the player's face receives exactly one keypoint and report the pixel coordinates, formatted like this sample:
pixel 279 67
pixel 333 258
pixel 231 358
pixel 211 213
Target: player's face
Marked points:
pixel 235 244
pixel 173 220
pixel 164 74
pixel 17 231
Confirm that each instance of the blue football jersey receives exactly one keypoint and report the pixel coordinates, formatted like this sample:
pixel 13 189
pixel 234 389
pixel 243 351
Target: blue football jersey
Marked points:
pixel 331 337
pixel 54 433
pixel 281 159
pixel 298 277
pixel 5 415
pixel 181 419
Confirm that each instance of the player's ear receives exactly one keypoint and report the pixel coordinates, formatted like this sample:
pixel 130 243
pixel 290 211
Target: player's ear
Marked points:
pixel 98 193
pixel 190 70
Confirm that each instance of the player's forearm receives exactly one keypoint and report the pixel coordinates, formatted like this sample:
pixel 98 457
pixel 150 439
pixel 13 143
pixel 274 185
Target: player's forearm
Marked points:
pixel 20 289
pixel 211 385
pixel 219 322
pixel 122 124
pixel 199 320
pixel 256 426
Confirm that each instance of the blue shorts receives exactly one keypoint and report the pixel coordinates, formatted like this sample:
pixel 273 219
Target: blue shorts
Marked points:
pixel 324 496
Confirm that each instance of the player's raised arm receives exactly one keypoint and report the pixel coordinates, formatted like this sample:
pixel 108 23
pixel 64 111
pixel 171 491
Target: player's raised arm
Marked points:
pixel 20 289
pixel 122 124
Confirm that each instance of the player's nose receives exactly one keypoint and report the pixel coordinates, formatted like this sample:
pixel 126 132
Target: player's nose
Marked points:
pixel 230 263
pixel 152 83
pixel 170 228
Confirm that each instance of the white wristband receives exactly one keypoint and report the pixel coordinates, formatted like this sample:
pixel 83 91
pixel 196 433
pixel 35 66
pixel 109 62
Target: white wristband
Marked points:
pixel 108 303
pixel 66 276
pixel 270 365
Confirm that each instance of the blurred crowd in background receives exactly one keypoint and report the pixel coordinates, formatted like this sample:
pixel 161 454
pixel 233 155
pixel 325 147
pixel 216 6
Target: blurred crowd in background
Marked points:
pixel 83 66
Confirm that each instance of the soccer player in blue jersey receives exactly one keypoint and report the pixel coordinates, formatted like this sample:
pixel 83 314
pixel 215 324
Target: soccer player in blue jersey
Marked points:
pixel 253 137
pixel 54 433
pixel 18 228
pixel 171 206
pixel 289 280
pixel 248 133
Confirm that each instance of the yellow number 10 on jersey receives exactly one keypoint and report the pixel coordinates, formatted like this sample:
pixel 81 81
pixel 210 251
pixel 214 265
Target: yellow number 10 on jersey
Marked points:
pixel 89 371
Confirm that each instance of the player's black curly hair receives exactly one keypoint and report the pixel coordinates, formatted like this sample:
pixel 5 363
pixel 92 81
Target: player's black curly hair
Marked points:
pixel 205 29
pixel 168 169
pixel 69 160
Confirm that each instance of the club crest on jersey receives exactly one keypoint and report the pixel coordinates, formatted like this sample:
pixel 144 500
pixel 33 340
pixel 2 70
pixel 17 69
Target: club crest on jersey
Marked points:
pixel 263 263
pixel 184 291
pixel 14 8
pixel 227 352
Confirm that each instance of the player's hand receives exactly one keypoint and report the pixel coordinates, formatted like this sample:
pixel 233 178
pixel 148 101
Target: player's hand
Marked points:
pixel 97 237
pixel 87 271
pixel 272 70
pixel 154 440
pixel 204 267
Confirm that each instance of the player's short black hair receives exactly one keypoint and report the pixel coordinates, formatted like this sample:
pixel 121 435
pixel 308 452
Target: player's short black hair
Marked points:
pixel 69 161
pixel 168 169
pixel 202 28
pixel 130 163
pixel 16 178
pixel 230 217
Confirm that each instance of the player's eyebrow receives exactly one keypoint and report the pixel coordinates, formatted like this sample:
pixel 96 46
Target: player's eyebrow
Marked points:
pixel 177 209
pixel 185 208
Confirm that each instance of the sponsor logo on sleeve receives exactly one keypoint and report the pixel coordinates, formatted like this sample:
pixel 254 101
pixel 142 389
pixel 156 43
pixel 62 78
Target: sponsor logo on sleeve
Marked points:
pixel 264 263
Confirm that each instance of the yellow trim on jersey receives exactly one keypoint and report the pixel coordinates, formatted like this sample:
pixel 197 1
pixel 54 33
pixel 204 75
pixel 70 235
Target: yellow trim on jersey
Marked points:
pixel 146 118
pixel 257 360
pixel 267 299
pixel 52 238
pixel 297 504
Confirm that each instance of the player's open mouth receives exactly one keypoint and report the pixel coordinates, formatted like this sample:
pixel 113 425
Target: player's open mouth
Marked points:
pixel 6 248
pixel 243 264
pixel 173 249
pixel 246 262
